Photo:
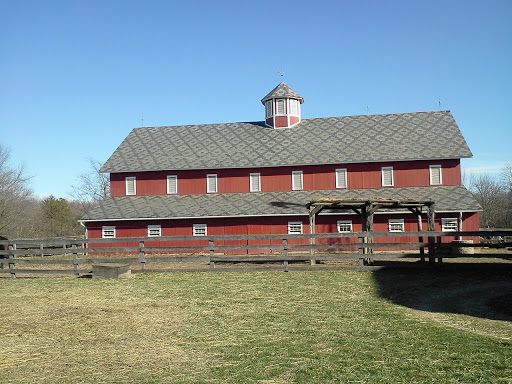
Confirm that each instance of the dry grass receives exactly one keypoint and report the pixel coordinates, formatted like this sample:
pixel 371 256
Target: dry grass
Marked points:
pixel 324 327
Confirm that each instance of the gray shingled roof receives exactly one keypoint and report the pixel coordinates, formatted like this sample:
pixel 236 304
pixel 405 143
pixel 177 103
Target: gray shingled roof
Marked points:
pixel 446 198
pixel 282 90
pixel 333 140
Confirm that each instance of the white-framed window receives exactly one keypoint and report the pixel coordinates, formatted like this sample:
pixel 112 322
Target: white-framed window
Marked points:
pixel 295 228
pixel 396 225
pixel 172 184
pixel 280 107
pixel 296 180
pixel 344 226
pixel 435 174
pixel 211 183
pixel 449 225
pixel 108 232
pixel 199 230
pixel 131 186
pixel 268 108
pixel 154 230
pixel 255 182
pixel 294 107
pixel 341 178
pixel 387 176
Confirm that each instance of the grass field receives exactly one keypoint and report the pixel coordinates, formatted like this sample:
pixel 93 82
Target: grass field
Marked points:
pixel 302 327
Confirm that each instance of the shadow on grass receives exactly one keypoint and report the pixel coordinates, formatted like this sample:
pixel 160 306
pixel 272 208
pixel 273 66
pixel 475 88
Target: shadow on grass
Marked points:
pixel 479 290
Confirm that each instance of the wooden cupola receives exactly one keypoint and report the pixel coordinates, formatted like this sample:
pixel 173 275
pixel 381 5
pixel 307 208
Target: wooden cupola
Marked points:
pixel 282 107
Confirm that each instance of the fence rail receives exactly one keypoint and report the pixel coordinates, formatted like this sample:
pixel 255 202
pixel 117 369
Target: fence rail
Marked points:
pixel 75 256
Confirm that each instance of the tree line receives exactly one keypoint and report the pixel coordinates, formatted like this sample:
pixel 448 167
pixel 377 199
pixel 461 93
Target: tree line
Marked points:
pixel 495 196
pixel 23 215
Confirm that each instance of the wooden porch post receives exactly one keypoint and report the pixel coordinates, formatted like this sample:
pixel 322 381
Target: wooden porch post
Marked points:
pixel 313 211
pixel 420 229
pixel 431 228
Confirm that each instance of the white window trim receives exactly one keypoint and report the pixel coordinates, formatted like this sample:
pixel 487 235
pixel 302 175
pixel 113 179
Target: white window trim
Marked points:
pixel 449 221
pixel 383 170
pixel 108 228
pixel 296 103
pixel 437 166
pixel 297 187
pixel 252 187
pixel 151 228
pixel 209 177
pixel 277 107
pixel 268 108
pixel 396 221
pixel 197 230
pixel 128 180
pixel 295 227
pixel 344 222
pixel 169 191
pixel 344 170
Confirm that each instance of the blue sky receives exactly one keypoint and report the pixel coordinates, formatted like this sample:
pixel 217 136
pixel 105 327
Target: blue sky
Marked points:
pixel 77 76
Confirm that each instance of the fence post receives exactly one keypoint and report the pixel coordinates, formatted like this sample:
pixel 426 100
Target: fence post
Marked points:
pixel 431 250
pixel 11 260
pixel 211 253
pixel 361 250
pixel 142 256
pixel 439 259
pixel 75 259
pixel 285 254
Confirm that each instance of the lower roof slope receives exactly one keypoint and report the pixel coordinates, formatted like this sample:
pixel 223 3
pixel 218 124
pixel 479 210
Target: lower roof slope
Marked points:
pixel 332 140
pixel 446 199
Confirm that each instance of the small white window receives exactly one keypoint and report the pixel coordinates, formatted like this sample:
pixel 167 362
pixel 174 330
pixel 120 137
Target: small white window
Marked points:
pixel 294 109
pixel 435 175
pixel 254 181
pixel 130 186
pixel 344 226
pixel 396 225
pixel 268 108
pixel 211 183
pixel 449 225
pixel 294 228
pixel 199 230
pixel 296 180
pixel 172 184
pixel 387 176
pixel 108 232
pixel 341 178
pixel 280 107
pixel 154 231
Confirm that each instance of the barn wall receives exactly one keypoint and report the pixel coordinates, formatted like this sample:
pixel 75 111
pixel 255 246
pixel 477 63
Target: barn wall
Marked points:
pixel 364 175
pixel 270 225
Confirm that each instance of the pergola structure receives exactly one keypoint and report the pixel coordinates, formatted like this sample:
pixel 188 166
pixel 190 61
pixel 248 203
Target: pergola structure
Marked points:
pixel 366 208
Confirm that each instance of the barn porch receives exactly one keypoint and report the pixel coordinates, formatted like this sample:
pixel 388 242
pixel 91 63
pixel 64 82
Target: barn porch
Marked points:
pixel 365 209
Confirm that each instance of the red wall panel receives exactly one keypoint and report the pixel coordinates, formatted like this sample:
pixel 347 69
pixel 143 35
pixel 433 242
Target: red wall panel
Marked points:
pixel 364 175
pixel 271 225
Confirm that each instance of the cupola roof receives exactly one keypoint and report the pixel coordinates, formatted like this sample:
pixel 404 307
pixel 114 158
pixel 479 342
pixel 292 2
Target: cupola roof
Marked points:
pixel 282 90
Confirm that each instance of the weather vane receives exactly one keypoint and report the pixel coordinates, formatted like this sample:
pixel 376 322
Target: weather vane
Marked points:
pixel 281 73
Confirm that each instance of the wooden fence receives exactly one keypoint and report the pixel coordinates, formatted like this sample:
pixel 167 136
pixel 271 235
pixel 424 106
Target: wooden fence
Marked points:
pixel 77 256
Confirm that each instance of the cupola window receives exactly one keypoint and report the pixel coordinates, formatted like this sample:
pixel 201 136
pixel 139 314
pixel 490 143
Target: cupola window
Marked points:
pixel 268 108
pixel 280 107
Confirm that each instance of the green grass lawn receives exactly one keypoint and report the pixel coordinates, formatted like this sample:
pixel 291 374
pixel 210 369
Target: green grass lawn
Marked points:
pixel 300 327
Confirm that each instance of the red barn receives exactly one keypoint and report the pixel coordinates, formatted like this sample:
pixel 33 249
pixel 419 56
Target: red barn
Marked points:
pixel 257 177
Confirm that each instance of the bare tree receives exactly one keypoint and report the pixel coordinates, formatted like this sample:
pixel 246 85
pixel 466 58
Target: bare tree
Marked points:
pixel 14 192
pixel 92 186
pixel 506 177
pixel 490 194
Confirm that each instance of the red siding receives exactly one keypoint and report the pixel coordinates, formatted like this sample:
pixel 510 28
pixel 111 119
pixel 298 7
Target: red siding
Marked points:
pixel 365 175
pixel 281 121
pixel 270 225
